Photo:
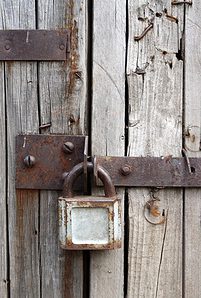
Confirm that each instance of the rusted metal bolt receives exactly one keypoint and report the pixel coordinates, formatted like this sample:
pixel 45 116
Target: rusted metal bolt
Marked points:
pixel 125 170
pixel 7 47
pixel 62 47
pixel 68 147
pixel 29 161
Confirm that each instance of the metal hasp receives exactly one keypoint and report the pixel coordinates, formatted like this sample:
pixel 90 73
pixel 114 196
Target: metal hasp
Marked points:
pixel 89 222
pixel 42 161
pixel 151 171
pixel 33 45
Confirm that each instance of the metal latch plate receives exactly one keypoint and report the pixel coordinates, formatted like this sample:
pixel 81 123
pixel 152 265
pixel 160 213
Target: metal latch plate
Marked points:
pixel 51 161
pixel 33 45
pixel 152 171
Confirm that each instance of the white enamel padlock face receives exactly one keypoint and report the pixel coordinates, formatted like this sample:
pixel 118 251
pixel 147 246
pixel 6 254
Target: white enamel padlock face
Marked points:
pixel 89 223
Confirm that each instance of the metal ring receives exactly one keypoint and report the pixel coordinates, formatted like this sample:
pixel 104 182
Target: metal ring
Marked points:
pixel 148 206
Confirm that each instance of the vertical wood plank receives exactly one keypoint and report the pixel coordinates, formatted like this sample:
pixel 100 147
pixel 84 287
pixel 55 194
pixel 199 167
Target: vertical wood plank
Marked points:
pixel 108 123
pixel 22 117
pixel 63 104
pixel 155 78
pixel 192 143
pixel 3 221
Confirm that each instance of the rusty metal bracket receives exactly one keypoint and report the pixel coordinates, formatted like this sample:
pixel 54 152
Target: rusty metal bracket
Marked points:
pixel 43 161
pixel 34 45
pixel 151 171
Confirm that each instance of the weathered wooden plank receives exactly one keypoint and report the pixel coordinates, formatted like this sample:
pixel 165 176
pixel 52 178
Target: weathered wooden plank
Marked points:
pixel 108 122
pixel 63 104
pixel 155 77
pixel 3 223
pixel 192 143
pixel 22 116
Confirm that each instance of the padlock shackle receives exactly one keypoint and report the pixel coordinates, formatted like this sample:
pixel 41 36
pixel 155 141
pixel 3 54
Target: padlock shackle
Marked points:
pixel 78 170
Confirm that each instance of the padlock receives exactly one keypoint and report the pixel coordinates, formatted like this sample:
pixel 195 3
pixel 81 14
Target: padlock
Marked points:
pixel 89 222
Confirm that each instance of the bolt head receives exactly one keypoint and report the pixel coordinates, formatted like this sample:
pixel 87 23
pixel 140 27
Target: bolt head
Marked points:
pixel 7 47
pixel 62 47
pixel 68 147
pixel 29 161
pixel 126 170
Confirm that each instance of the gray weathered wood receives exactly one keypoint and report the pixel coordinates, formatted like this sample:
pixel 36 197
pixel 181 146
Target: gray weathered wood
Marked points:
pixel 192 143
pixel 63 103
pixel 155 77
pixel 108 122
pixel 22 116
pixel 3 223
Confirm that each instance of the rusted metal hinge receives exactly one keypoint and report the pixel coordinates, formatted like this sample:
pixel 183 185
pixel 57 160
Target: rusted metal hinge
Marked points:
pixel 34 45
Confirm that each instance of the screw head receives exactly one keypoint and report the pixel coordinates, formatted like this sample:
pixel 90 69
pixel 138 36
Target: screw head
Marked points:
pixel 62 47
pixel 125 170
pixel 7 47
pixel 68 147
pixel 29 161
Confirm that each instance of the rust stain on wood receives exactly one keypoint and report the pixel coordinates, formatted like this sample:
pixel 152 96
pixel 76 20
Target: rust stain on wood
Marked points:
pixel 68 275
pixel 20 201
pixel 74 56
pixel 25 199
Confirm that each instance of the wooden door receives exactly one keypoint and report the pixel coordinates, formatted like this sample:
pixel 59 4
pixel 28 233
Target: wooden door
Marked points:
pixel 132 84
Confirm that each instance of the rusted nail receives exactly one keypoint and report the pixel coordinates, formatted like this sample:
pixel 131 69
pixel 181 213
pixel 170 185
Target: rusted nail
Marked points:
pixel 71 120
pixel 190 135
pixel 187 132
pixel 181 2
pixel 125 170
pixel 159 14
pixel 68 147
pixel 78 74
pixel 45 125
pixel 29 161
pixel 171 18
pixel 138 37
pixel 188 162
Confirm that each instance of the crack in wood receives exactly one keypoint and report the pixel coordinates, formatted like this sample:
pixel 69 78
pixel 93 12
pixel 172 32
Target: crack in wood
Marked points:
pixel 161 255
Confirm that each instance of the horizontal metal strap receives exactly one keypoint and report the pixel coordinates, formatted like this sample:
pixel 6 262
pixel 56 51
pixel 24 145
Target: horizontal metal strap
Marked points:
pixel 152 171
pixel 33 45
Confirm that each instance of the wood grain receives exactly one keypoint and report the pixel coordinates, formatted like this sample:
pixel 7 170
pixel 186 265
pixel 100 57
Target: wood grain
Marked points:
pixel 108 123
pixel 192 143
pixel 63 103
pixel 3 222
pixel 22 117
pixel 155 79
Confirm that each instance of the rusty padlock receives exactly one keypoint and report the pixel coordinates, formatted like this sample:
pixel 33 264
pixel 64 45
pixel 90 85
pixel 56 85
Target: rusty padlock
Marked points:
pixel 89 222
